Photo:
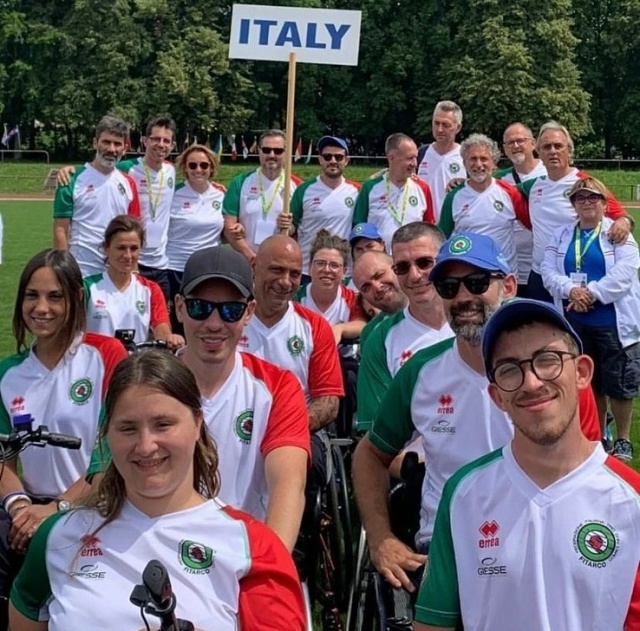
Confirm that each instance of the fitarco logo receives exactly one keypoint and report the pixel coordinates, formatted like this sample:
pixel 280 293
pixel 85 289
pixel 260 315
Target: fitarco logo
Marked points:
pixel 596 542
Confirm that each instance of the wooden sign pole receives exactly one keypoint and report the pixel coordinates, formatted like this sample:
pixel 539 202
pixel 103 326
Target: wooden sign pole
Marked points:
pixel 288 159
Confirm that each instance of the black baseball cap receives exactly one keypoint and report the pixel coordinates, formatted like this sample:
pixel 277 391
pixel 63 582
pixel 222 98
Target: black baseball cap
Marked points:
pixel 217 262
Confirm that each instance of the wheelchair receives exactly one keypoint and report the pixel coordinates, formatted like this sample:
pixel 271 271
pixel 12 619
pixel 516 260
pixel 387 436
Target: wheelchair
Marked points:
pixel 373 604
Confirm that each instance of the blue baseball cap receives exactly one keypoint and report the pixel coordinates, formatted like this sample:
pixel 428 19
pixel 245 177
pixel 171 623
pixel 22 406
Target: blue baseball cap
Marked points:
pixel 332 141
pixel 527 311
pixel 478 250
pixel 364 231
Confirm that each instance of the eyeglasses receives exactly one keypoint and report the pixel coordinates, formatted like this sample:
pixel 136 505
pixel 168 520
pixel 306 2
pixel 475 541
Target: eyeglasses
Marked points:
pixel 517 141
pixel 592 198
pixel 200 309
pixel 546 365
pixel 334 266
pixel 423 263
pixel 476 283
pixel 269 150
pixel 194 165
pixel 328 157
pixel 159 140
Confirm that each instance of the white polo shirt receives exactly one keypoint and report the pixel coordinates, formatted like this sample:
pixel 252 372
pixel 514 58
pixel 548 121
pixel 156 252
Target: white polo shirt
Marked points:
pixel 437 170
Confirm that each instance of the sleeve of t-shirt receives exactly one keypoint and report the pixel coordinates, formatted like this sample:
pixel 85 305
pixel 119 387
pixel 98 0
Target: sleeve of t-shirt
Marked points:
pixel 270 596
pixel 615 209
pixel 63 201
pixel 438 601
pixel 231 201
pixel 589 415
pixel 159 311
pixel 519 202
pixel 356 312
pixel 632 621
pixel 134 205
pixel 289 418
pixel 325 374
pixel 296 206
pixel 446 215
pixel 31 590
pixel 429 215
pixel 373 379
pixel 361 209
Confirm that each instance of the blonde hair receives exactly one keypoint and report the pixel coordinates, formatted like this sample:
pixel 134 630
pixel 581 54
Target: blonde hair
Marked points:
pixel 182 159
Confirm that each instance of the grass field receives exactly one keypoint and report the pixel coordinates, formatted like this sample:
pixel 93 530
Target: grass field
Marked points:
pixel 25 178
pixel 27 230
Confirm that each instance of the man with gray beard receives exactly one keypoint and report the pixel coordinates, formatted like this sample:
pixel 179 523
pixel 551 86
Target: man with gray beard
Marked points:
pixel 441 393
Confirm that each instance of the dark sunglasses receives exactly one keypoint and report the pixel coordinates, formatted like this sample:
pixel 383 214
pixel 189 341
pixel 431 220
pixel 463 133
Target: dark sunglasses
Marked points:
pixel 200 309
pixel 269 150
pixel 194 165
pixel 423 263
pixel 327 157
pixel 476 284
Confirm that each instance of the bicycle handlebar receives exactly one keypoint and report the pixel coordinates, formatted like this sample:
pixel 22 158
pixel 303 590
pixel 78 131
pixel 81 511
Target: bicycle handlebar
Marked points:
pixel 23 436
pixel 127 337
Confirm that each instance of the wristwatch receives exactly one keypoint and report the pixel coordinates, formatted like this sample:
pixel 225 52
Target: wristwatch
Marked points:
pixel 63 505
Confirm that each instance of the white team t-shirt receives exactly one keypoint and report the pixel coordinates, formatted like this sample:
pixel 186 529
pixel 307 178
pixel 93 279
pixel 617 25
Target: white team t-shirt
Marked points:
pixel 302 342
pixel 258 409
pixel 492 212
pixel 315 205
pixel 196 222
pixel 523 238
pixel 389 207
pixel 441 397
pixel 256 202
pixel 393 342
pixel 227 570
pixel 67 399
pixel 344 308
pixel 155 189
pixel 140 306
pixel 438 170
pixel 506 552
pixel 91 200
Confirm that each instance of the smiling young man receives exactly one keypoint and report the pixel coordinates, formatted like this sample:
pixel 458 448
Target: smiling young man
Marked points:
pixel 440 393
pixel 254 410
pixel 545 529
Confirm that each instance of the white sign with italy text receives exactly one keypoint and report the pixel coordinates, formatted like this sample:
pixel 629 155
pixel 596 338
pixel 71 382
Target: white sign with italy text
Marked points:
pixel 317 36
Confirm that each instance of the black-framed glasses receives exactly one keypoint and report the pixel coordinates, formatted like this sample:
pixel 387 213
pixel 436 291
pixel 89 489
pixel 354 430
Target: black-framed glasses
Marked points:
pixel 423 263
pixel 328 157
pixel 269 150
pixel 546 365
pixel 476 283
pixel 201 309
pixel 592 198
pixel 194 165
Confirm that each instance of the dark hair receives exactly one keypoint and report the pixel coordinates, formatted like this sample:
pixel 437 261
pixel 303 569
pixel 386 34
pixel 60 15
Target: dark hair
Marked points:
pixel 326 241
pixel 181 160
pixel 113 125
pixel 168 375
pixel 123 223
pixel 68 274
pixel 161 121
pixel 415 230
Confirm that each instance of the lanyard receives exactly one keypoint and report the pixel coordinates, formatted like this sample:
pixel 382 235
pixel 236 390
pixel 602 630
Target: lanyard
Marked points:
pixel 398 216
pixel 266 207
pixel 577 244
pixel 153 204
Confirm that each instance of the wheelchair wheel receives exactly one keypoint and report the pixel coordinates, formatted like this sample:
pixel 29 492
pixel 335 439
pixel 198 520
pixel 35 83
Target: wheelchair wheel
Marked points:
pixel 364 613
pixel 342 515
